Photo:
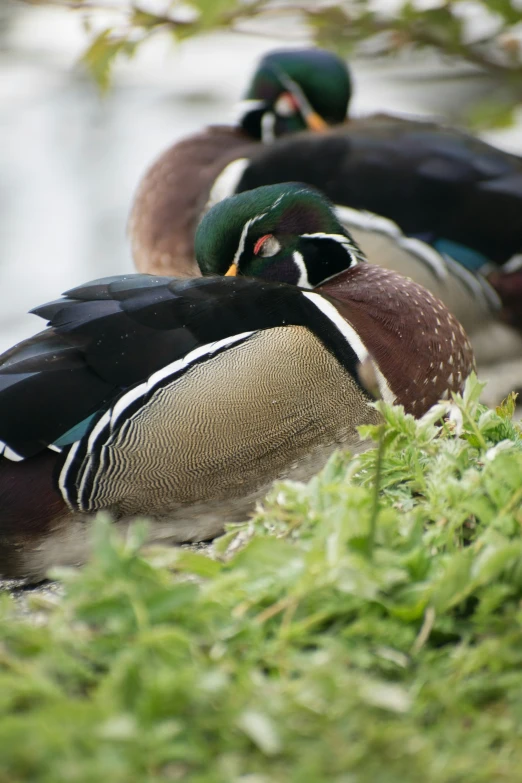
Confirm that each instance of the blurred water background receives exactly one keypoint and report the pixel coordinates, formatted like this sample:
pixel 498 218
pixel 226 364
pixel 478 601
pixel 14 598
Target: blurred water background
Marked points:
pixel 70 159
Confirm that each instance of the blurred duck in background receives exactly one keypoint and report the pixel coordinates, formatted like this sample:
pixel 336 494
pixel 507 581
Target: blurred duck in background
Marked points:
pixel 428 201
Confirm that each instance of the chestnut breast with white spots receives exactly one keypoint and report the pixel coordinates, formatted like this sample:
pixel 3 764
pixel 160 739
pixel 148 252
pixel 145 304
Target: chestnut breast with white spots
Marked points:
pixel 420 348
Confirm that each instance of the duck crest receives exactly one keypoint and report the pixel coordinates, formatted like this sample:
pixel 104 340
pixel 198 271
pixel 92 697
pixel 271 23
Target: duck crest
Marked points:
pixel 419 347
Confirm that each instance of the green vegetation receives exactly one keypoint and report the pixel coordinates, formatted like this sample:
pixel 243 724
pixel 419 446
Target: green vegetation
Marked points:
pixel 343 635
pixel 482 33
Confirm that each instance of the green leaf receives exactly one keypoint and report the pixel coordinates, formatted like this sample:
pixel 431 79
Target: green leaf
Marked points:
pixel 101 54
pixel 297 656
pixel 492 113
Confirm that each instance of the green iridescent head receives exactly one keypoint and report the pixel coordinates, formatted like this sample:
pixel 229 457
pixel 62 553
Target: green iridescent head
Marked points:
pixel 287 233
pixel 294 90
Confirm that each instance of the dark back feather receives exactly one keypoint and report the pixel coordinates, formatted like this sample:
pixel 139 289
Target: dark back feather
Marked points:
pixel 110 334
pixel 434 182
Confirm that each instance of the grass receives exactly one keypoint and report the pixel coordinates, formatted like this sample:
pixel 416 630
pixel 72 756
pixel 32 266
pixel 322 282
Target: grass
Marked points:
pixel 343 635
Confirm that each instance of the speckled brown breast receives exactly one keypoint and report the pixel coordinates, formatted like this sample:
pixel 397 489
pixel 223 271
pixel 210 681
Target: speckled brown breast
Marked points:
pixel 419 347
pixel 472 311
pixel 171 199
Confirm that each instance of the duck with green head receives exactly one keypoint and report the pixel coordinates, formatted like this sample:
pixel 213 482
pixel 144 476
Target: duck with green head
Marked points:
pixel 273 243
pixel 296 90
pixel 291 90
pixel 291 233
pixel 456 197
pixel 183 400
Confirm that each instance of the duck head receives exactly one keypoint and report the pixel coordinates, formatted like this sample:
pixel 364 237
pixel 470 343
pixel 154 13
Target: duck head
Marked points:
pixel 294 90
pixel 287 232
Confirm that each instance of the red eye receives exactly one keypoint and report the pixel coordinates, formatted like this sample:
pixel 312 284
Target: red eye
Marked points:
pixel 267 246
pixel 260 242
pixel 287 105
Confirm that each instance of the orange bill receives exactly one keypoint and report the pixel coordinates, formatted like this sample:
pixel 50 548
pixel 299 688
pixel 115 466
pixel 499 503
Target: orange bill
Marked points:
pixel 315 122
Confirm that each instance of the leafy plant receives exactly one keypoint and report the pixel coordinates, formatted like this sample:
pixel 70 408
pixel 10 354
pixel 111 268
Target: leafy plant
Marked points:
pixel 483 33
pixel 330 638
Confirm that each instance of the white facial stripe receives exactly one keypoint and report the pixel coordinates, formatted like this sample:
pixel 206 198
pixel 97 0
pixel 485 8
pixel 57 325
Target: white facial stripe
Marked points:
pixel 259 217
pixel 336 237
pixel 226 183
pixel 294 88
pixel 322 235
pixel 244 234
pixel 277 201
pixel 242 240
pixel 303 281
pixel 353 340
pixel 341 240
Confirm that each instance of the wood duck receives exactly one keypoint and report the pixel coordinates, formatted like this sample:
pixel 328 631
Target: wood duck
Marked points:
pixel 438 185
pixel 183 400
